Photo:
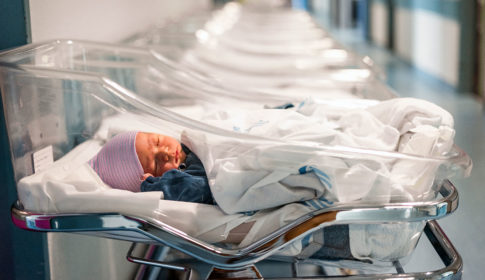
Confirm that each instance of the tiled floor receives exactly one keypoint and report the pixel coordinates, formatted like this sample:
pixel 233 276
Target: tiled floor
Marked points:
pixel 466 227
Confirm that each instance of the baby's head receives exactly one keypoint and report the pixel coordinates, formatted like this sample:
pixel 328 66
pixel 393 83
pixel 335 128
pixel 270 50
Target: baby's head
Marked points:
pixel 130 157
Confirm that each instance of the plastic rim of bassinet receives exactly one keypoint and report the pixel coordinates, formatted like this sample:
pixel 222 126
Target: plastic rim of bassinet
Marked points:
pixel 137 229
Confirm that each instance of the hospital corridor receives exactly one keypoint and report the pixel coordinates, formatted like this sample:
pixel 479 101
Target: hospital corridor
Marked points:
pixel 242 139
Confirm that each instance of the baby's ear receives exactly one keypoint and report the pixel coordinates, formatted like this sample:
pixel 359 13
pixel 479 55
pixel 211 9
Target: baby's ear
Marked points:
pixel 146 175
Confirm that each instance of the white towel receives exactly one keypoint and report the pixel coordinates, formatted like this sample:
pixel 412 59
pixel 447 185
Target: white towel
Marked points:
pixel 384 242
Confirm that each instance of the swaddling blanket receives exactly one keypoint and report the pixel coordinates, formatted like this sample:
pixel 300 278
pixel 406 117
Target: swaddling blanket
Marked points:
pixel 247 177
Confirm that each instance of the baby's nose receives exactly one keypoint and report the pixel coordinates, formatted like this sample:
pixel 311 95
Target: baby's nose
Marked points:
pixel 163 155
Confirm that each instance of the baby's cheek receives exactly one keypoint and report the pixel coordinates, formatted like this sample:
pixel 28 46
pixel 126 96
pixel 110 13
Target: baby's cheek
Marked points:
pixel 151 167
pixel 144 165
pixel 169 166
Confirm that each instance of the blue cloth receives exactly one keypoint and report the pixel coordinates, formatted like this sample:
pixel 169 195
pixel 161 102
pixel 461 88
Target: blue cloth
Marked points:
pixel 188 185
pixel 336 245
pixel 284 106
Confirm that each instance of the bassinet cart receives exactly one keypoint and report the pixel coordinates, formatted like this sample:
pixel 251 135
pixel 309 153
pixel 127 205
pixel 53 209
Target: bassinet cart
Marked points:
pixel 57 101
pixel 240 264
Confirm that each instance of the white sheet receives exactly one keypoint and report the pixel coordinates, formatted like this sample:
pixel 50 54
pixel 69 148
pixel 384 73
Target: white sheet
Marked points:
pixel 245 176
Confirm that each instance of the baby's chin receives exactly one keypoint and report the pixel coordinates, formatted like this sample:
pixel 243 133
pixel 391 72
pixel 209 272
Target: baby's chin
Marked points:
pixel 146 175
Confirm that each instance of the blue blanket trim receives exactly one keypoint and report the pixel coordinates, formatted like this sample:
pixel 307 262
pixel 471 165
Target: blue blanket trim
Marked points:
pixel 321 202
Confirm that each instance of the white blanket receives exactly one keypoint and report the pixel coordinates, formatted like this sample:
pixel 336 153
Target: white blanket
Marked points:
pixel 248 176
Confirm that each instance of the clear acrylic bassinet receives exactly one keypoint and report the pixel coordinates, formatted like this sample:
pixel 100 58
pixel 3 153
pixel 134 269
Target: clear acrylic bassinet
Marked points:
pixel 57 98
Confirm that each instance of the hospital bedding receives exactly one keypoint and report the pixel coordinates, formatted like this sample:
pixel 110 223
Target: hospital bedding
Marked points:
pixel 70 186
pixel 242 176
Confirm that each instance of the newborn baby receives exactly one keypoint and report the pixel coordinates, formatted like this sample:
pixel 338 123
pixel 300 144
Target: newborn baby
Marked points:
pixel 139 161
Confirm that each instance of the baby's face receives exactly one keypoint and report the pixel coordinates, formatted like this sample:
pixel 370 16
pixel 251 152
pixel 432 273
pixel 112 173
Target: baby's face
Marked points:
pixel 158 153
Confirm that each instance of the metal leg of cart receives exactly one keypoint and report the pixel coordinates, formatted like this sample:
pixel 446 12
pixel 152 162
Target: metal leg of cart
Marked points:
pixel 452 262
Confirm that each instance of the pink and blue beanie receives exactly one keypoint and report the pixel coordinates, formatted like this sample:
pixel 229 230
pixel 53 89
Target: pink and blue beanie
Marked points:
pixel 117 163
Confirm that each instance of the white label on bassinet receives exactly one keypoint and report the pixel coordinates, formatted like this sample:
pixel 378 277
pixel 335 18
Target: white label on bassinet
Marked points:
pixel 43 159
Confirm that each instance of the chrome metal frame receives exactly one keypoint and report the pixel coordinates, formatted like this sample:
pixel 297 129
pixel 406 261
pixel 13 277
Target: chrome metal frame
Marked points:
pixel 452 261
pixel 148 230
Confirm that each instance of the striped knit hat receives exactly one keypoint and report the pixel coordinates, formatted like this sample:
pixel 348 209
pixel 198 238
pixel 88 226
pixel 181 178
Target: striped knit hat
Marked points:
pixel 117 163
